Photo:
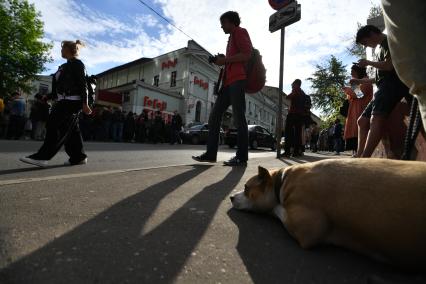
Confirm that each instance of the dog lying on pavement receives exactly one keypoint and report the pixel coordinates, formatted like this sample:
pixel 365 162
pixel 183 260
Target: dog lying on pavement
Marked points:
pixel 373 206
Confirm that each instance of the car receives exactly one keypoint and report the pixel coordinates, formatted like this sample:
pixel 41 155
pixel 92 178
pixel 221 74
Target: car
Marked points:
pixel 258 137
pixel 198 134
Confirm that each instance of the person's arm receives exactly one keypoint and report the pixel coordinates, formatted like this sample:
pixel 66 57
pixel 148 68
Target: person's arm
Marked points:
pixel 349 93
pixel 362 81
pixel 386 65
pixel 81 84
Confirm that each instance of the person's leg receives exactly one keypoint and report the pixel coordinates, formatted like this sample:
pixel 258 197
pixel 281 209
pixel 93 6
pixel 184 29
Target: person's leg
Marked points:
pixel 58 120
pixel 74 143
pixel 377 125
pixel 215 120
pixel 12 128
pixel 238 102
pixel 289 135
pixel 298 128
pixel 363 128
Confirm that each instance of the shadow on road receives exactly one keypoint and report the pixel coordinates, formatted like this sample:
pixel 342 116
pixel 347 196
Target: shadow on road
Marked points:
pixel 110 248
pixel 270 255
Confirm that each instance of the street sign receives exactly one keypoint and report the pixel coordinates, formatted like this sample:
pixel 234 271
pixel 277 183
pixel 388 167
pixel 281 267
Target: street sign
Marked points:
pixel 285 17
pixel 279 4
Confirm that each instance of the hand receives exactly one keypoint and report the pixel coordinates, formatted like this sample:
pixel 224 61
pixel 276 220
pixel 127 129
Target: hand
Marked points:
pixel 364 63
pixel 220 61
pixel 86 109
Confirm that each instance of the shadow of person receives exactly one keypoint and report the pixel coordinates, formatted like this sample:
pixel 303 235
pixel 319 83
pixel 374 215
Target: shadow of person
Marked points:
pixel 110 248
pixel 270 255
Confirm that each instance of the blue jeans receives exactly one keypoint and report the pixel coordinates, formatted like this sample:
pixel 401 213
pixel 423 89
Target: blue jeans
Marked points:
pixel 337 144
pixel 117 131
pixel 234 95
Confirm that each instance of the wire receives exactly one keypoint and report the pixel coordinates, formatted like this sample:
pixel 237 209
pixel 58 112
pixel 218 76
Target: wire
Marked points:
pixel 165 19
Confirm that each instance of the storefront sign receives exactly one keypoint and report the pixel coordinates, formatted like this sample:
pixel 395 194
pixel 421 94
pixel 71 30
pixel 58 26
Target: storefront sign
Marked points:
pixel 201 83
pixel 154 103
pixel 169 64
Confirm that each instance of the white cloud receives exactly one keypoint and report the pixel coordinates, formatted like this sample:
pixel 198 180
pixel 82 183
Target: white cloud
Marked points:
pixel 326 28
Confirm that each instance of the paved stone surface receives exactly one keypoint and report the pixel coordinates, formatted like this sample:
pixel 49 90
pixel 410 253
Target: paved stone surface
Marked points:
pixel 162 225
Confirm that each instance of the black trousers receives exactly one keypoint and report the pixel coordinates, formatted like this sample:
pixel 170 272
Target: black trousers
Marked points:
pixel 16 127
pixel 63 129
pixel 293 133
pixel 234 95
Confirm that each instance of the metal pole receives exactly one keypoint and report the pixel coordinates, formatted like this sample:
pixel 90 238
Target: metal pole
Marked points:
pixel 280 97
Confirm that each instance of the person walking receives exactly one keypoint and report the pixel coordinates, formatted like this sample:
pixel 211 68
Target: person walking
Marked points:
pixel 69 88
pixel 358 101
pixel 238 53
pixel 176 126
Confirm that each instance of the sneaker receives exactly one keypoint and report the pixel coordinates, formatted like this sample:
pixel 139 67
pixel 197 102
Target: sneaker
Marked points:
pixel 31 161
pixel 235 162
pixel 204 158
pixel 82 162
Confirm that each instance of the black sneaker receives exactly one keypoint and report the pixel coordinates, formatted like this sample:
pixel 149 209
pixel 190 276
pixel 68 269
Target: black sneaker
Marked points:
pixel 235 162
pixel 204 158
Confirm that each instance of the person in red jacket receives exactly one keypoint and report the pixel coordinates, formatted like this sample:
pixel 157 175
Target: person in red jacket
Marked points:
pixel 238 53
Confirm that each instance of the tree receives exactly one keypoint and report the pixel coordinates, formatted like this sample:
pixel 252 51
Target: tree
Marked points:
pixel 22 52
pixel 358 50
pixel 327 82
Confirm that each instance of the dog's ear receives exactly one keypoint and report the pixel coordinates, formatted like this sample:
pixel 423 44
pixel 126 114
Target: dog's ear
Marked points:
pixel 263 173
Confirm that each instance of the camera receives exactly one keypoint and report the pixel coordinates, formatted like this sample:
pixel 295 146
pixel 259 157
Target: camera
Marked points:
pixel 213 59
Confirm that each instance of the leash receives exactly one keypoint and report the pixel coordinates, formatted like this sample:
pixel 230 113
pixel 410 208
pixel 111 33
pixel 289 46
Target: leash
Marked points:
pixel 413 129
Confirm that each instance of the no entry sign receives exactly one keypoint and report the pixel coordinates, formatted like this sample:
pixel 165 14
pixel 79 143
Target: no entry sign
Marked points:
pixel 279 4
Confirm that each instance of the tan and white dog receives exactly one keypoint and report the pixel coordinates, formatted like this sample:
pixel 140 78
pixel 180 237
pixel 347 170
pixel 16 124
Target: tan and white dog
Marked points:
pixel 372 206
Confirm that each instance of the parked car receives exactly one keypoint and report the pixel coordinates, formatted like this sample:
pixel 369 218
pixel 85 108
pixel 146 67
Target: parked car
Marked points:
pixel 198 134
pixel 258 137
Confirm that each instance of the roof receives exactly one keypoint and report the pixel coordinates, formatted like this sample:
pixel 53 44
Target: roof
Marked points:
pixel 142 60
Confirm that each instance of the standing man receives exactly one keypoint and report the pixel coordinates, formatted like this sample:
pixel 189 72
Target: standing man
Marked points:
pixel 238 53
pixel 295 120
pixel 17 117
pixel 176 127
pixel 390 88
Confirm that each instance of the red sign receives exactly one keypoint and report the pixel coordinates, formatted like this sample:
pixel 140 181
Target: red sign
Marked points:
pixel 169 64
pixel 201 83
pixel 279 4
pixel 154 103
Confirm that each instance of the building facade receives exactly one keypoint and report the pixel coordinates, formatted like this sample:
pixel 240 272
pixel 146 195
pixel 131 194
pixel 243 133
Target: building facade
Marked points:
pixel 183 81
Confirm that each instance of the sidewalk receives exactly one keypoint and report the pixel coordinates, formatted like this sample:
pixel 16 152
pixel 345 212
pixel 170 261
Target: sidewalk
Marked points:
pixel 160 226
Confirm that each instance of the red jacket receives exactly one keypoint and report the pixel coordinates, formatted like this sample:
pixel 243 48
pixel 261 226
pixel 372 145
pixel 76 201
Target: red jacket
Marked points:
pixel 239 42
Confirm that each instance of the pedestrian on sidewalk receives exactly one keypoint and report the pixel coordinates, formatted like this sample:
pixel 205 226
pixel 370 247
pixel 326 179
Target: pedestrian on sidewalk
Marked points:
pixel 238 53
pixel 359 96
pixel 176 127
pixel 17 117
pixel 69 88
pixel 295 120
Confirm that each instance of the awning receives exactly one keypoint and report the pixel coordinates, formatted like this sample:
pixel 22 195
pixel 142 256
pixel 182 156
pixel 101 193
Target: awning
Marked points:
pixel 110 97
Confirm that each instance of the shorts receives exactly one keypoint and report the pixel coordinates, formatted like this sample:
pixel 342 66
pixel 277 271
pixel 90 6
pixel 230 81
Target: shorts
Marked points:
pixel 389 94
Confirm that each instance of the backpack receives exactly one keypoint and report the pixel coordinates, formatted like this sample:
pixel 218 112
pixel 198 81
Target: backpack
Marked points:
pixel 256 73
pixel 91 87
pixel 307 103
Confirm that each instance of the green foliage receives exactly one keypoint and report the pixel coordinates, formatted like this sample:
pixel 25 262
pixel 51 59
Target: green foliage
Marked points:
pixel 327 82
pixel 22 52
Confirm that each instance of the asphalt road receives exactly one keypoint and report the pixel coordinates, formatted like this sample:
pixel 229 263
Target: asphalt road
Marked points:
pixel 148 214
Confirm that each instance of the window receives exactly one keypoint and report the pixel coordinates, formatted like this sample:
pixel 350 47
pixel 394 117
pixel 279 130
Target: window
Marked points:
pixel 156 80
pixel 173 79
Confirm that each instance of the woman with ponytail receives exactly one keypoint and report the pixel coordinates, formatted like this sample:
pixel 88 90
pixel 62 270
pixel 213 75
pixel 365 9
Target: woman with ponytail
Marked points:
pixel 69 89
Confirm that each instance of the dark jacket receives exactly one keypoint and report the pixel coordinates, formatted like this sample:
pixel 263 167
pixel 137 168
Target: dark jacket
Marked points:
pixel 71 80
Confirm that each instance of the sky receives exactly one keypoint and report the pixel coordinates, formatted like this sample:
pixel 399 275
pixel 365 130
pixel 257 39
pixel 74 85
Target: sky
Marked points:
pixel 119 31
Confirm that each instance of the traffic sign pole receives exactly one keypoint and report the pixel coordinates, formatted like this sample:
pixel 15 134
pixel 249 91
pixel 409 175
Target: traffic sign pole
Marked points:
pixel 280 97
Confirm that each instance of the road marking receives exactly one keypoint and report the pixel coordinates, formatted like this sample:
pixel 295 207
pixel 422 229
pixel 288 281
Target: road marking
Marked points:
pixel 90 174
